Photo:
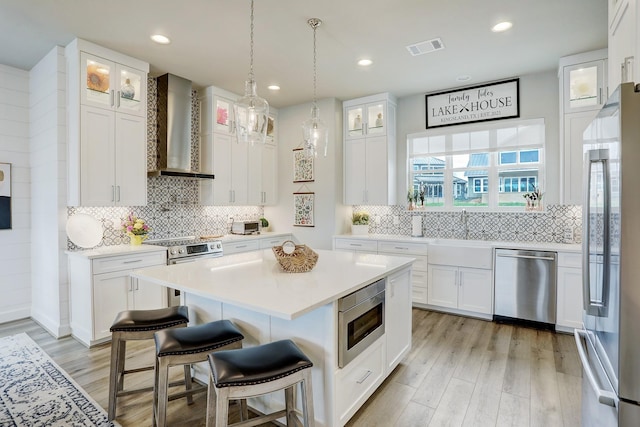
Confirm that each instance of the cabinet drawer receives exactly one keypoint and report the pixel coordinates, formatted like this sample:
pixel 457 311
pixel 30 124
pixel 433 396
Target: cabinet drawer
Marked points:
pixel 419 277
pixel 357 381
pixel 235 247
pixel 570 259
pixel 356 245
pixel 419 294
pixel 128 262
pixel 273 241
pixel 403 248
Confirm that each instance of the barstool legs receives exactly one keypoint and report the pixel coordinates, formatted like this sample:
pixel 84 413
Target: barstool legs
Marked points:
pixel 114 375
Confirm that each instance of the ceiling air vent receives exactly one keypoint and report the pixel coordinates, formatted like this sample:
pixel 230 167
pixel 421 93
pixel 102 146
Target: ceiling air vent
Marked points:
pixel 425 47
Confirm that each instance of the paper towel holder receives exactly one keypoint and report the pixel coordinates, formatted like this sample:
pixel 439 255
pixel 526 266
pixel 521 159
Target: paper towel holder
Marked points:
pixel 416 226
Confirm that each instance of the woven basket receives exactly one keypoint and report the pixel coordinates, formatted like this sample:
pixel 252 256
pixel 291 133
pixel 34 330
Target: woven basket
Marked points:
pixel 301 260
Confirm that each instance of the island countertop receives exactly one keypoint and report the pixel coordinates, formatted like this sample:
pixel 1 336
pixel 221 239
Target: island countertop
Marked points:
pixel 255 280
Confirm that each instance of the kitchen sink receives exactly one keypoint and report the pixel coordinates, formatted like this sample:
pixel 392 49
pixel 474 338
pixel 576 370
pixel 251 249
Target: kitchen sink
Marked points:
pixel 461 253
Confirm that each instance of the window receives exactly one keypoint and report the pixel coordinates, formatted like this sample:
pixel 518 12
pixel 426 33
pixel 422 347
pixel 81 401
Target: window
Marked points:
pixel 487 165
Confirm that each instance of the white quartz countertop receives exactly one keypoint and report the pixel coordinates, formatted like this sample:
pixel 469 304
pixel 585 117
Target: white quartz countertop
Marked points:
pixel 255 280
pixel 546 246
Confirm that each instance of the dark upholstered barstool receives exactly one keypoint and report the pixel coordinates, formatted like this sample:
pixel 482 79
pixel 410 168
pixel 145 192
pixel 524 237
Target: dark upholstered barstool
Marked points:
pixel 185 346
pixel 137 325
pixel 254 371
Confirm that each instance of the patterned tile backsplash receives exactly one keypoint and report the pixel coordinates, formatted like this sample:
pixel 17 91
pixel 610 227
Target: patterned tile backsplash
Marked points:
pixel 544 226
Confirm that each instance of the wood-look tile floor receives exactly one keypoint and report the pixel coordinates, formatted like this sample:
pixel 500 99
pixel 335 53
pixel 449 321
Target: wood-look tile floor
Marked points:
pixel 460 372
pixel 470 372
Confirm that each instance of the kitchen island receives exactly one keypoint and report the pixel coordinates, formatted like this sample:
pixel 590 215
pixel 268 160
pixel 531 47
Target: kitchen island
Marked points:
pixel 268 304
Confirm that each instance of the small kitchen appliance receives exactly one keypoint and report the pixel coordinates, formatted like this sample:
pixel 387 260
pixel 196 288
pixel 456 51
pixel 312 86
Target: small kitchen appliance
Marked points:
pixel 245 227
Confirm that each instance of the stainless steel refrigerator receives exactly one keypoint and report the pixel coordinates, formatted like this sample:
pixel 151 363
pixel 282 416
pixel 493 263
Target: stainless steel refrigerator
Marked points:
pixel 609 344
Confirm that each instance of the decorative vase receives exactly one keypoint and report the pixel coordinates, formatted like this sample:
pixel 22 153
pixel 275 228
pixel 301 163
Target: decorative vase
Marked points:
pixel 359 228
pixel 128 91
pixel 137 239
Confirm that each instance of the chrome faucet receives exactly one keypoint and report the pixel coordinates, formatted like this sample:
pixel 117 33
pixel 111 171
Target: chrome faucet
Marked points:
pixel 464 218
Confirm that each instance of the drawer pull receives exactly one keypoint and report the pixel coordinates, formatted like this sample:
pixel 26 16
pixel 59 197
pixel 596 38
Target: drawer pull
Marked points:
pixel 355 244
pixel 241 246
pixel 364 378
pixel 131 262
pixel 401 248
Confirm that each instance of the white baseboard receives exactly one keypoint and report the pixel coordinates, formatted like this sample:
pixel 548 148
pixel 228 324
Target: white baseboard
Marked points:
pixel 15 314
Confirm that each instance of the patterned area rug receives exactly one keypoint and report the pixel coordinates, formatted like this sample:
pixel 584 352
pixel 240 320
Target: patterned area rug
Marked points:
pixel 34 391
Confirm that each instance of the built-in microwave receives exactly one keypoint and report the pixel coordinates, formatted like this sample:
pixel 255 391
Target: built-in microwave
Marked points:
pixel 360 321
pixel 245 227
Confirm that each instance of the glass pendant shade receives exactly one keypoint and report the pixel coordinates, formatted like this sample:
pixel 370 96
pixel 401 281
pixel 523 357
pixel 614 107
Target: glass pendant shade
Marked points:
pixel 315 134
pixel 252 114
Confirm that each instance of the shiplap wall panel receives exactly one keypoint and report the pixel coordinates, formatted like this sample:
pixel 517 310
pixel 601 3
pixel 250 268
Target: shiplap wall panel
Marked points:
pixel 49 299
pixel 15 263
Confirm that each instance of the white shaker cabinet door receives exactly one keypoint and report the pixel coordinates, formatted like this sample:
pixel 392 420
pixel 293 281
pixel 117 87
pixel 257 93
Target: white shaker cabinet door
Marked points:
pixel 131 160
pixel 111 294
pixel 475 290
pixel 97 185
pixel 443 286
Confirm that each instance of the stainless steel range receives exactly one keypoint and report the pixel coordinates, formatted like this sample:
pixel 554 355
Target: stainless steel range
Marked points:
pixel 187 249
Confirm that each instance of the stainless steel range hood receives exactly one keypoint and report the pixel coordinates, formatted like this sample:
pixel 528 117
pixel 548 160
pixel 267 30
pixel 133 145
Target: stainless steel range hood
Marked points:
pixel 173 155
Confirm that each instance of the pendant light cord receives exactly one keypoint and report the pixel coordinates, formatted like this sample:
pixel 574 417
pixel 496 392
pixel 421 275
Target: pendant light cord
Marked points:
pixel 251 45
pixel 315 26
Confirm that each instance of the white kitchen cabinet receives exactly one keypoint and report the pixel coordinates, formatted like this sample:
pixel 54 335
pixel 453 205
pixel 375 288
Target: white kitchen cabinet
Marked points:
pixel 569 292
pixel 261 181
pixel 419 274
pixel 110 85
pixel 101 287
pixel 355 245
pixel 107 127
pixel 112 159
pixel 397 318
pixel 244 174
pixel 370 150
pixel 583 91
pixel 269 242
pixel 461 288
pixel 623 42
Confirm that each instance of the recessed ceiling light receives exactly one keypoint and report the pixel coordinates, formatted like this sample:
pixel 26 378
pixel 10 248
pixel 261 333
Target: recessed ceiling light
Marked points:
pixel 159 38
pixel 365 62
pixel 463 78
pixel 273 87
pixel 501 26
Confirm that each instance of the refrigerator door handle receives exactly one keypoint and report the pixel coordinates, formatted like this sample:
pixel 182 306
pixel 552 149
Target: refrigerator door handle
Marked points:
pixel 605 397
pixel 597 306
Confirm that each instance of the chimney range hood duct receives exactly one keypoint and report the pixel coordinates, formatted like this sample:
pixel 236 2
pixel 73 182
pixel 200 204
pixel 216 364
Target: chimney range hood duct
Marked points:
pixel 173 156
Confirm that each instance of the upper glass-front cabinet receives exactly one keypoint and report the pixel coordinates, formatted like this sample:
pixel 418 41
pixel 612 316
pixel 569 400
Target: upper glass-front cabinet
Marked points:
pixel 110 85
pixel 366 119
pixel 584 87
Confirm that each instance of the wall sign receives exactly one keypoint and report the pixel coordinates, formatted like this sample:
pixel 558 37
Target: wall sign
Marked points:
pixel 303 207
pixel 493 101
pixel 302 166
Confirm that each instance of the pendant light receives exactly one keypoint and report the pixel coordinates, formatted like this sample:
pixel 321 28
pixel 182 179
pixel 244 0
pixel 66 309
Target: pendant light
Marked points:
pixel 315 134
pixel 251 111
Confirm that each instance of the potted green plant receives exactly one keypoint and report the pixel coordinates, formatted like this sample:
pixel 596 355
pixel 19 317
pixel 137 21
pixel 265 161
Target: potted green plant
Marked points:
pixel 360 222
pixel 264 224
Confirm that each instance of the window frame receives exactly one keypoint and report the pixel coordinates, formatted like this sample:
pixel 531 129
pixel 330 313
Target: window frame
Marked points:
pixel 527 135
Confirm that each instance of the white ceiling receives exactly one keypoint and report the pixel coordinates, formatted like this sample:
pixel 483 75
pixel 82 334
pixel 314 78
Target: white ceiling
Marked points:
pixel 210 40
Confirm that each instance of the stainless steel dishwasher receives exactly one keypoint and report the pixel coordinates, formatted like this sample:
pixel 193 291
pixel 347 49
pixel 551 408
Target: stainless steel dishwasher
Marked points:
pixel 525 286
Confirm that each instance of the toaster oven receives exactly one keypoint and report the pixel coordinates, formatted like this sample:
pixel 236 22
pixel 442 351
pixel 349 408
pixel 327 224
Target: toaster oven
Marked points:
pixel 245 227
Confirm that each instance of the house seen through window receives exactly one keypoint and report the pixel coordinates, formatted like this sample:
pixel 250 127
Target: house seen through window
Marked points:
pixel 489 165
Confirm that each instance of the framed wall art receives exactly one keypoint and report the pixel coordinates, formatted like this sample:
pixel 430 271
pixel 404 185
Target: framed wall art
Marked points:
pixel 5 196
pixel 493 101
pixel 303 205
pixel 302 166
